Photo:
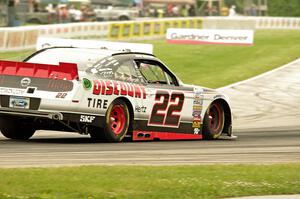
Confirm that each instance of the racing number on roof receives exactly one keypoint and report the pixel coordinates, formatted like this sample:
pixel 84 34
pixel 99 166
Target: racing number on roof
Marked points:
pixel 167 109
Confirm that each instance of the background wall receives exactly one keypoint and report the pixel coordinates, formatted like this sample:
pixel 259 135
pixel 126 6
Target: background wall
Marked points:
pixel 20 38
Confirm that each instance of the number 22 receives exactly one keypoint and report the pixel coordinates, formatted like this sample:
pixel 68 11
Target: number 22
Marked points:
pixel 165 109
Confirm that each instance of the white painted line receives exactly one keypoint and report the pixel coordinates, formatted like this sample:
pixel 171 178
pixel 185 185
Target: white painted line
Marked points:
pixel 259 76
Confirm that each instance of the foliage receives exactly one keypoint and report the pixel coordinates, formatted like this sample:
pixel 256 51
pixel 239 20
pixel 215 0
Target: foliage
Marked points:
pixel 286 8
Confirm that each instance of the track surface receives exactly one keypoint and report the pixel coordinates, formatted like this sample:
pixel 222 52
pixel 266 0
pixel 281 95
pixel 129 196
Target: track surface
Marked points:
pixel 271 101
pixel 258 147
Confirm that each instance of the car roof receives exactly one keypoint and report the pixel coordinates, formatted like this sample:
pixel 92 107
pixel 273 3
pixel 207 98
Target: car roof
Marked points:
pixel 101 51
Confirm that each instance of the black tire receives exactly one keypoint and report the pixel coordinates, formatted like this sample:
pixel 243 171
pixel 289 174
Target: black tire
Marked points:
pixel 96 133
pixel 214 120
pixel 15 128
pixel 117 121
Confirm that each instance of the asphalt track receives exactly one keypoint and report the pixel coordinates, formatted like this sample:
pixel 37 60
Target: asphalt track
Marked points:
pixel 266 120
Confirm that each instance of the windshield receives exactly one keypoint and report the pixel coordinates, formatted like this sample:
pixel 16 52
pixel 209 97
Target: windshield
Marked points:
pixel 82 57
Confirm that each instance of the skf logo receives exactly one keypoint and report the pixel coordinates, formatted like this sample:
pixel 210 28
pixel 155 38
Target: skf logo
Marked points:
pixel 25 82
pixel 87 118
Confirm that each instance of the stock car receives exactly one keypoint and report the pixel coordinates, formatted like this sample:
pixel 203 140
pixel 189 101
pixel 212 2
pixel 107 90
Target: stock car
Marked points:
pixel 108 94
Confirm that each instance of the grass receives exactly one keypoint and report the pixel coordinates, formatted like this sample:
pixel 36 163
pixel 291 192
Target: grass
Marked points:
pixel 15 55
pixel 214 181
pixel 216 65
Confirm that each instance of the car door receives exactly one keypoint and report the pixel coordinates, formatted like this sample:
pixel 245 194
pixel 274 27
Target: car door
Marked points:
pixel 169 105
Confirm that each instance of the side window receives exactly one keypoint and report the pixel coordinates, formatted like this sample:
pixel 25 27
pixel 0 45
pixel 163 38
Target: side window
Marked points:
pixel 171 81
pixel 126 72
pixel 154 73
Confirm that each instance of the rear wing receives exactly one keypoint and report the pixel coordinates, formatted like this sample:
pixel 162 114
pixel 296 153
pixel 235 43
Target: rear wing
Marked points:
pixel 63 71
pixel 47 42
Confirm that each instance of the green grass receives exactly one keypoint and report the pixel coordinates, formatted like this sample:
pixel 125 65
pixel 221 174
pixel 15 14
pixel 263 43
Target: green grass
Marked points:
pixel 15 55
pixel 216 65
pixel 214 181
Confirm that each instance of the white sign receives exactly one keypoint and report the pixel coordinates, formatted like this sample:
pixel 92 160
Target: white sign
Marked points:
pixel 210 36
pixel 47 42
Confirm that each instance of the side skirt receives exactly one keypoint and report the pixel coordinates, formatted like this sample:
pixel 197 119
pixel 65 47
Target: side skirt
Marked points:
pixel 150 135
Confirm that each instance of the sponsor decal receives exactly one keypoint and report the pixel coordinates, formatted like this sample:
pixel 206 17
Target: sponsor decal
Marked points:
pixel 107 87
pixel 87 84
pixel 60 85
pixel 199 91
pixel 197 114
pixel 210 36
pixel 106 72
pixel 197 108
pixel 12 91
pixel 19 102
pixel 196 124
pixel 87 118
pixel 25 82
pixel 196 131
pixel 140 109
pixel 61 95
pixel 97 103
pixel 218 96
pixel 198 101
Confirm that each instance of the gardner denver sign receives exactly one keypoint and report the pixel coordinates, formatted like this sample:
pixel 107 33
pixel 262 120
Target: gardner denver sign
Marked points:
pixel 210 36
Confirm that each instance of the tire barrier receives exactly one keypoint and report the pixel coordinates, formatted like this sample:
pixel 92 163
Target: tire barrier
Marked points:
pixel 21 38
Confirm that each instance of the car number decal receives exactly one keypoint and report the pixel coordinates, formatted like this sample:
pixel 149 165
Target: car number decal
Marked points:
pixel 167 109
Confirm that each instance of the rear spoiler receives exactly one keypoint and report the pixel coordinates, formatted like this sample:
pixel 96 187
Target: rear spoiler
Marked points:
pixel 63 71
pixel 47 42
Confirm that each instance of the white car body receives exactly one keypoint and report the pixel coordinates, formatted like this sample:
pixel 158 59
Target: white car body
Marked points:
pixel 60 89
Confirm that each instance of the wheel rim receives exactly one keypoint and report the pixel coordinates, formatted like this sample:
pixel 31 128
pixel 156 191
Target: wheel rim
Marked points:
pixel 215 117
pixel 117 119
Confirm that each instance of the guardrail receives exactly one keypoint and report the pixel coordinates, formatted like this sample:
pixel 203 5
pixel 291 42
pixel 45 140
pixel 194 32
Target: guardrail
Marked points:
pixel 20 38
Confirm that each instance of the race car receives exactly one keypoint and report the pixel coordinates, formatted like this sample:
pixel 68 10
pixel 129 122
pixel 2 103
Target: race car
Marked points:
pixel 108 94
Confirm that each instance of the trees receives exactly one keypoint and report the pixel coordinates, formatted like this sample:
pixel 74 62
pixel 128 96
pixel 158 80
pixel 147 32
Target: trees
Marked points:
pixel 290 8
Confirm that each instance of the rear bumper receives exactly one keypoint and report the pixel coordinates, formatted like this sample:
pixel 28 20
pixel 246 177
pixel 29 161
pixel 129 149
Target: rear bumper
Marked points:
pixel 32 113
pixel 62 117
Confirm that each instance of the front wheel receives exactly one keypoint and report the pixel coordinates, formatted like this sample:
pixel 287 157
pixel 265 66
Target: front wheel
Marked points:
pixel 117 120
pixel 15 128
pixel 213 123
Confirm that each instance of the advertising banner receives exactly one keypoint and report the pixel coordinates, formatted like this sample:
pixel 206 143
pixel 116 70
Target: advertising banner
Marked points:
pixel 210 36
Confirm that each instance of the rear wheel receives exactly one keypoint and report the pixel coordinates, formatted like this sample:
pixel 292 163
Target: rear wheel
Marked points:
pixel 15 128
pixel 213 123
pixel 116 121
